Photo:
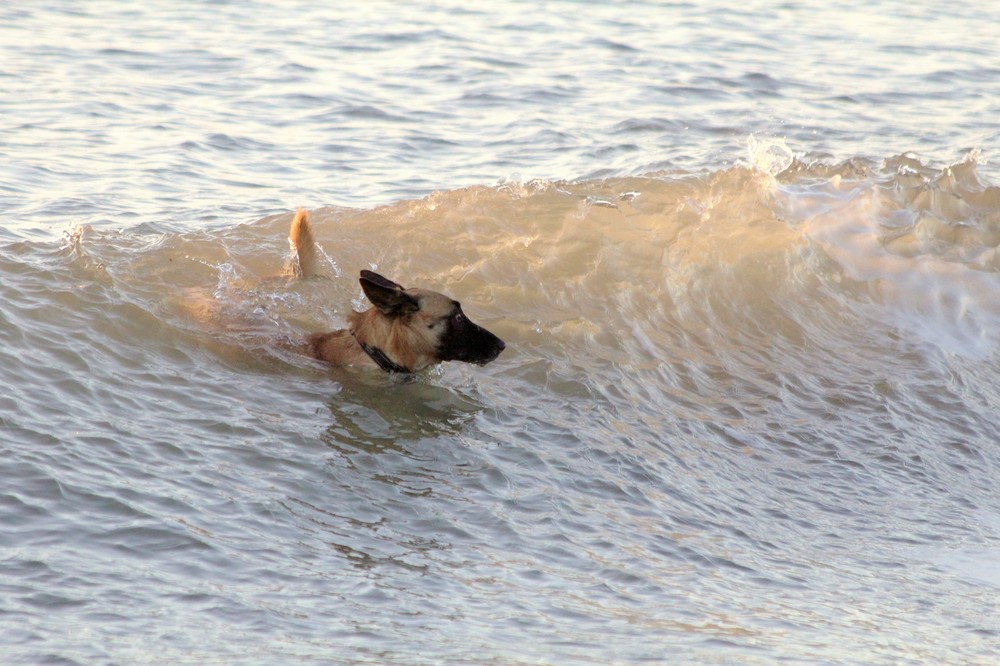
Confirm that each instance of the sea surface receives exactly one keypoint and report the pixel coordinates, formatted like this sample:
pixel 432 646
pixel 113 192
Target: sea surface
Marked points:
pixel 744 256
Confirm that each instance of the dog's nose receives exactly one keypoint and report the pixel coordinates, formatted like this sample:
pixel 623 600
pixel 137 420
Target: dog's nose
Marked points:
pixel 501 345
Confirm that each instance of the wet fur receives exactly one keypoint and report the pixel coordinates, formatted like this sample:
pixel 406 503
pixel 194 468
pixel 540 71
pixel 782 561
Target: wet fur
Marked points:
pixel 414 328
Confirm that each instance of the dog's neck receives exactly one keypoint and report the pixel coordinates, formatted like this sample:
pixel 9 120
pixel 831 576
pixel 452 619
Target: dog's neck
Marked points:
pixel 383 361
pixel 386 342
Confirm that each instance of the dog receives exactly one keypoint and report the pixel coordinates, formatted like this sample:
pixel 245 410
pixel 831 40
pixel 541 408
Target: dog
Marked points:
pixel 406 330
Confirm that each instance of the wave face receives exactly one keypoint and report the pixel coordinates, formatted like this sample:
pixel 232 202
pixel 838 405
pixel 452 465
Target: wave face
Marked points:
pixel 742 412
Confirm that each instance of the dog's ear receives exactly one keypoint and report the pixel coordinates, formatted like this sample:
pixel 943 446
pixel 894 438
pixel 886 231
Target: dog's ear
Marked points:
pixel 390 298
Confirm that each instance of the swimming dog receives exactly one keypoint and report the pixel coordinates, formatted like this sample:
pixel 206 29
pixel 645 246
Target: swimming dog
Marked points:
pixel 406 330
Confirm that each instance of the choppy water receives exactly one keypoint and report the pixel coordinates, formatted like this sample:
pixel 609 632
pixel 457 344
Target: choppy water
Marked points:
pixel 744 256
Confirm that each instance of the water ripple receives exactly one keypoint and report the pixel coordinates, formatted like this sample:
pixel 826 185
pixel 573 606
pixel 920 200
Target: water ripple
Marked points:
pixel 746 387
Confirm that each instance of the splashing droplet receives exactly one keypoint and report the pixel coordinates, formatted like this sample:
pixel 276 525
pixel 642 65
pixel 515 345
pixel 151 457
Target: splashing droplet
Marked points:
pixel 772 156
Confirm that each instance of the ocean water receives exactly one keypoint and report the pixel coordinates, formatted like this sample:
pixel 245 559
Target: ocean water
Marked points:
pixel 744 256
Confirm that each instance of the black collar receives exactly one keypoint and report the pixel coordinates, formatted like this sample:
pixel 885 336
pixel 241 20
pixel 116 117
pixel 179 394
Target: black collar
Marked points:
pixel 382 360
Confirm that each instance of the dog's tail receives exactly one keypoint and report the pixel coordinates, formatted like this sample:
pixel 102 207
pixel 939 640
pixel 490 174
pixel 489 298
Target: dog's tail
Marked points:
pixel 301 238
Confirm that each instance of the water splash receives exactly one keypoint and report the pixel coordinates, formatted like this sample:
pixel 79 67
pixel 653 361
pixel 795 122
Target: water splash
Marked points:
pixel 518 188
pixel 770 156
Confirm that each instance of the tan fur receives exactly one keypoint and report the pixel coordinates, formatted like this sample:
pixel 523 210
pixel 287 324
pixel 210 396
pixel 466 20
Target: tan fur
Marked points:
pixel 408 329
pixel 302 240
pixel 339 348
pixel 409 341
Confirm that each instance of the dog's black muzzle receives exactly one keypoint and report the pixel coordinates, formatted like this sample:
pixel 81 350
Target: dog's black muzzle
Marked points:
pixel 469 342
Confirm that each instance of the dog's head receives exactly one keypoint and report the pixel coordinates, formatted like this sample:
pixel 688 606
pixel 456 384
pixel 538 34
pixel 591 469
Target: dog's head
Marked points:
pixel 427 325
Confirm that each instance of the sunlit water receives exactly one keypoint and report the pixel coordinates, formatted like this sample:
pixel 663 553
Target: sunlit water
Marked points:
pixel 745 258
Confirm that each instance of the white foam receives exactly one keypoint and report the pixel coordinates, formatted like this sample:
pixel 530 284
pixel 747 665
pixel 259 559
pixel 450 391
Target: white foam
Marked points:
pixel 769 155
